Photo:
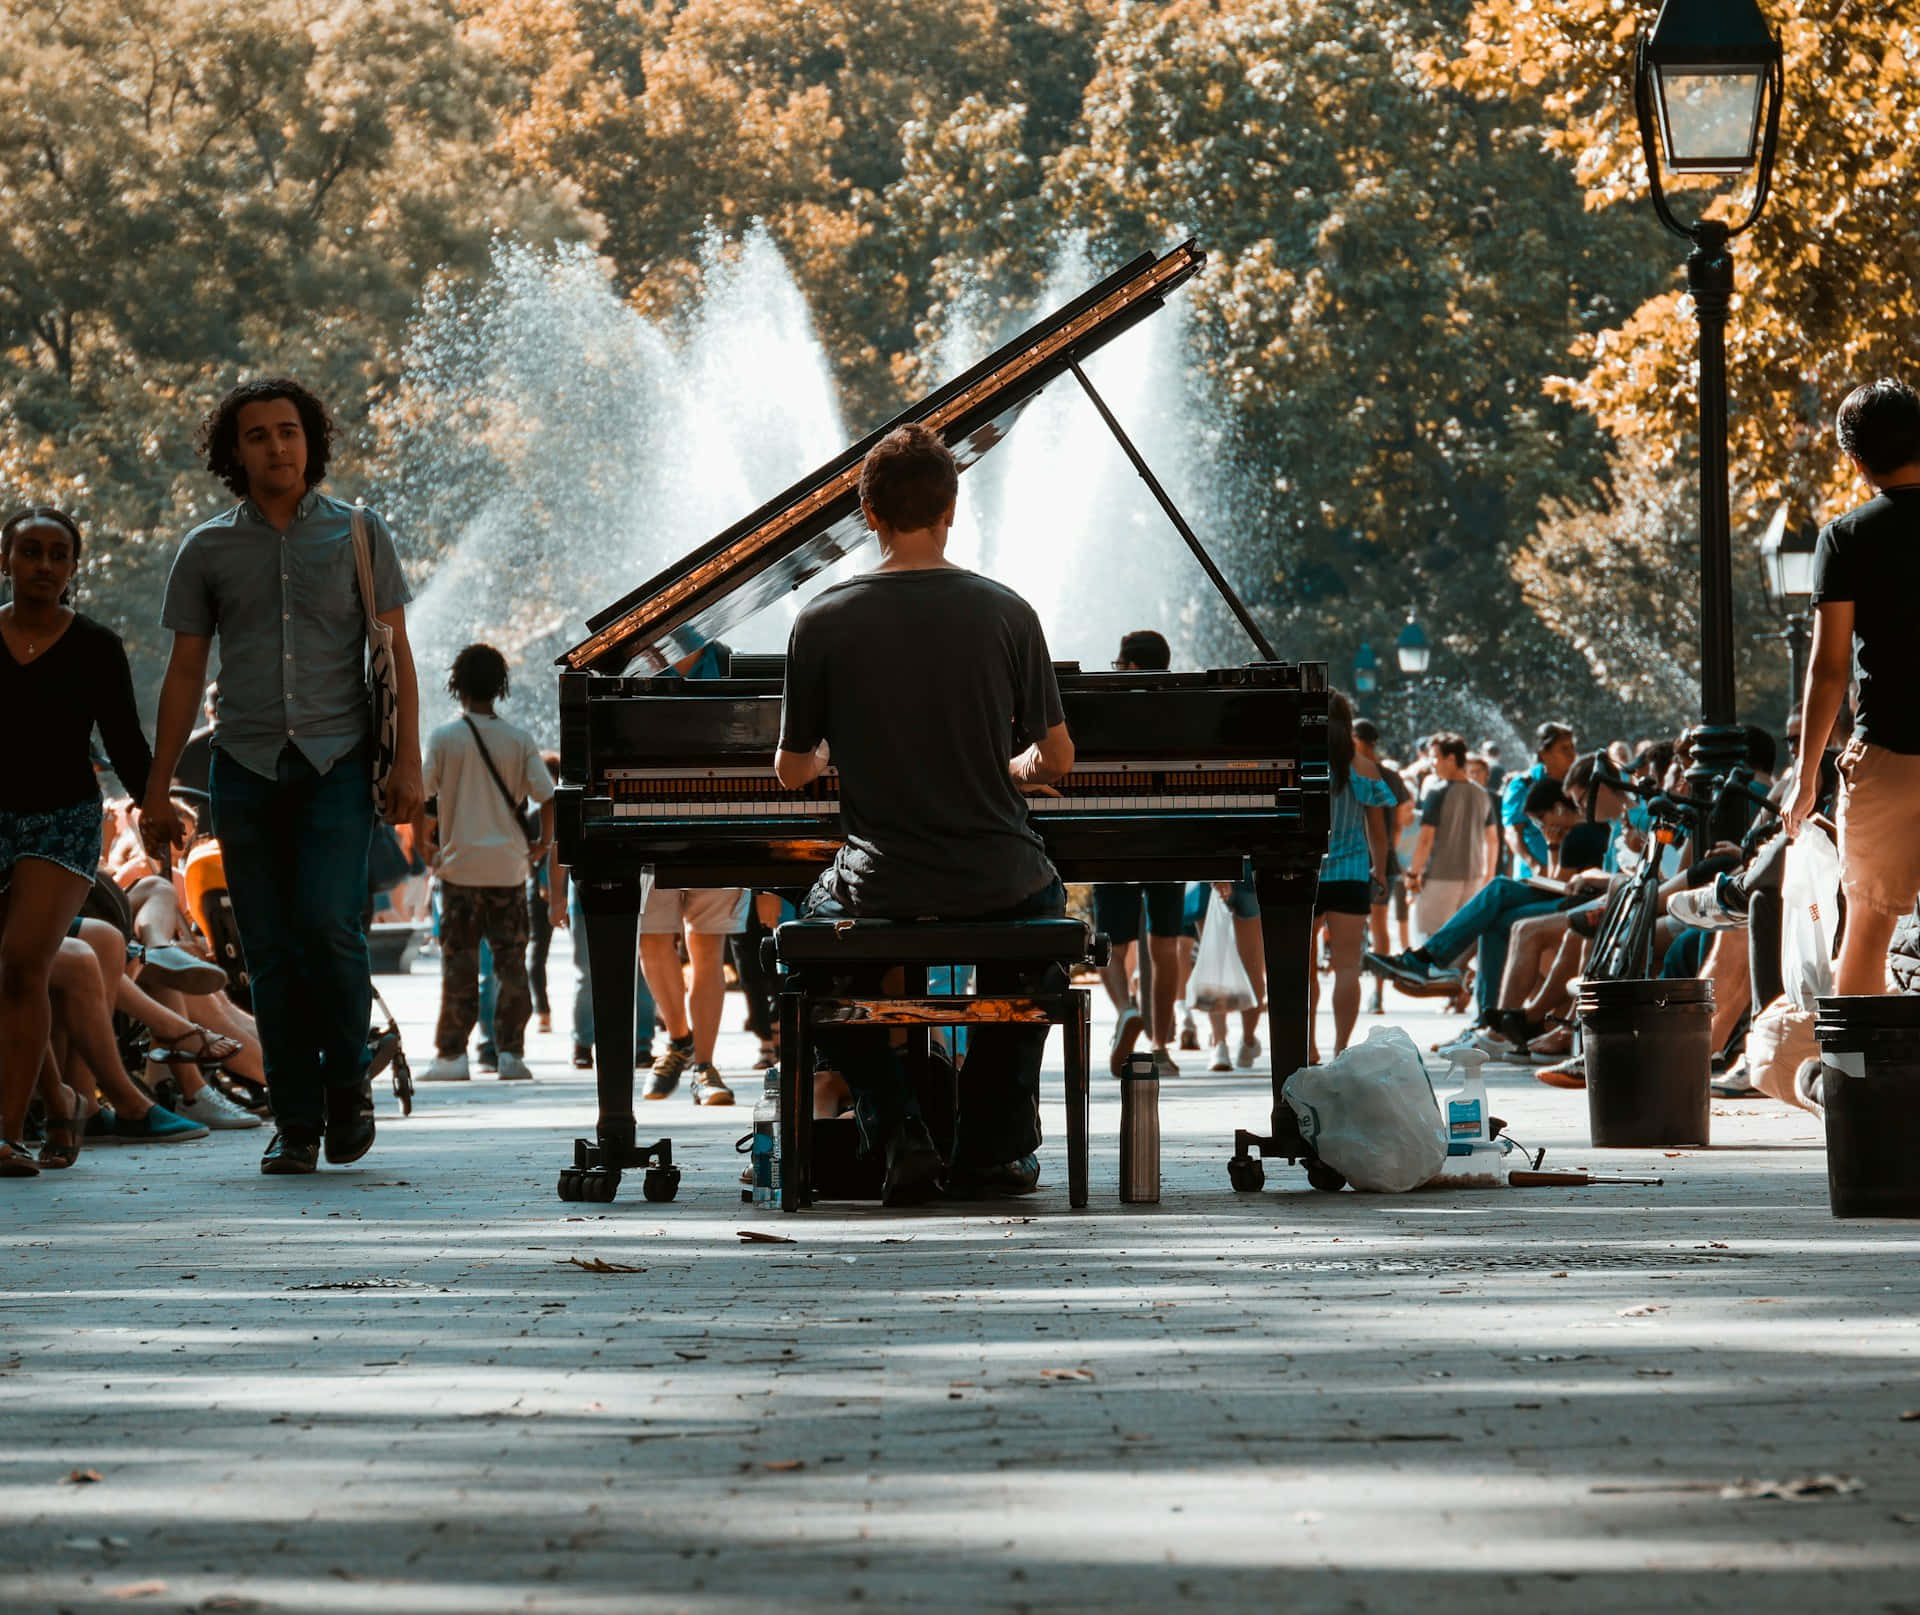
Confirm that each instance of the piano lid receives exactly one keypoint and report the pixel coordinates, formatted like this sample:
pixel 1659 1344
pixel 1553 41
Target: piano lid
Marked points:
pixel 798 533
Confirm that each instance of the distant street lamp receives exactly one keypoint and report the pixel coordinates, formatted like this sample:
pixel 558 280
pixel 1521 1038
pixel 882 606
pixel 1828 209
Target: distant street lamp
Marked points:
pixel 1366 670
pixel 1412 651
pixel 1786 554
pixel 1707 88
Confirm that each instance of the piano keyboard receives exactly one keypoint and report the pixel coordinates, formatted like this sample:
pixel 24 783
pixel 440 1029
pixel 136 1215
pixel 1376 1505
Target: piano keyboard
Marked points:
pixel 1130 787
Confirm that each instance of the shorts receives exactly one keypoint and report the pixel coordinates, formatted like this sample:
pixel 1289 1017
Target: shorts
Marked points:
pixel 1116 910
pixel 1344 897
pixel 1242 903
pixel 713 911
pixel 1879 807
pixel 67 836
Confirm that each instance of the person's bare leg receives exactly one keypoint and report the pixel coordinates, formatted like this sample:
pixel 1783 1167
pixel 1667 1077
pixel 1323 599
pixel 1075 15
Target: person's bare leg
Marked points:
pixel 1552 995
pixel 660 964
pixel 1347 936
pixel 1313 991
pixel 1118 977
pixel 1861 971
pixel 84 1012
pixel 156 911
pixel 1165 952
pixel 1726 968
pixel 41 903
pixel 1253 959
pixel 1533 940
pixel 189 1077
pixel 708 995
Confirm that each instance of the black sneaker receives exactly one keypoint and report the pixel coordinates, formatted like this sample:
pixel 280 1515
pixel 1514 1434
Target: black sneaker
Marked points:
pixel 583 1057
pixel 290 1154
pixel 1018 1176
pixel 914 1166
pixel 668 1070
pixel 488 1058
pixel 1413 971
pixel 349 1124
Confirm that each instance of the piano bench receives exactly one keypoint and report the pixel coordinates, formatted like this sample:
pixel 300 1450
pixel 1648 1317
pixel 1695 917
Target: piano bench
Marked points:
pixel 931 943
pixel 812 952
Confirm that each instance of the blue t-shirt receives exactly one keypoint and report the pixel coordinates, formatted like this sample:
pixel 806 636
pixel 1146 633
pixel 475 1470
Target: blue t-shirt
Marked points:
pixel 1348 856
pixel 1513 812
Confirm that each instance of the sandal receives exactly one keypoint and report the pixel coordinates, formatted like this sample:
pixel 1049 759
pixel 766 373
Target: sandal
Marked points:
pixel 16 1162
pixel 62 1146
pixel 213 1047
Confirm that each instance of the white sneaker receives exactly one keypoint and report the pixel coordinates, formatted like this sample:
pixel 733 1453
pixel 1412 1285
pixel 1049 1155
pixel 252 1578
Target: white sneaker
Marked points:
pixel 211 1108
pixel 1163 1065
pixel 1250 1051
pixel 513 1068
pixel 1189 1033
pixel 454 1070
pixel 1222 1061
pixel 1126 1032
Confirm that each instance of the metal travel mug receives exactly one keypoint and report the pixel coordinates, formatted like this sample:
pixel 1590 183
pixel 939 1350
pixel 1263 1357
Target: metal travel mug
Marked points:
pixel 1140 1132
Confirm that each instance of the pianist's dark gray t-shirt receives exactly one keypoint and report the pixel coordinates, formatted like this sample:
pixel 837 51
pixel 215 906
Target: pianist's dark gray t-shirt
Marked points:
pixel 924 684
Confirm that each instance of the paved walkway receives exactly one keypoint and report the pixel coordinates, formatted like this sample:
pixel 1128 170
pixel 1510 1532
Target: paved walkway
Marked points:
pixel 408 1386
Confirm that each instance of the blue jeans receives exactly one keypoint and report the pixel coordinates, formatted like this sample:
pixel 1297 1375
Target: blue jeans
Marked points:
pixel 643 1009
pixel 1487 918
pixel 999 1118
pixel 295 849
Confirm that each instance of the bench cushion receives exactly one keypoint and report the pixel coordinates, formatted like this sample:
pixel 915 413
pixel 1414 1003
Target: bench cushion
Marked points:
pixel 930 942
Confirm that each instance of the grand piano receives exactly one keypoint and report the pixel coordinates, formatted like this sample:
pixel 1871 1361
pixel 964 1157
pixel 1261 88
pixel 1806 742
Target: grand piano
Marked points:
pixel 1191 776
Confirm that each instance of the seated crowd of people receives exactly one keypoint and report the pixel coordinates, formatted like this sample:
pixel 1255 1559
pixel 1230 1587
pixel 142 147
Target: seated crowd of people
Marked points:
pixel 146 1046
pixel 1577 829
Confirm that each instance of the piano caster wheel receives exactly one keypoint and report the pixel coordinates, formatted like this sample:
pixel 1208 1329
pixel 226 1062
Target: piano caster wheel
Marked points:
pixel 660 1183
pixel 571 1186
pixel 1323 1177
pixel 1246 1173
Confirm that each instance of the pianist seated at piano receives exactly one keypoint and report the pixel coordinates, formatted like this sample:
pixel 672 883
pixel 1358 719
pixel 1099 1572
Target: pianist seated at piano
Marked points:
pixel 917 680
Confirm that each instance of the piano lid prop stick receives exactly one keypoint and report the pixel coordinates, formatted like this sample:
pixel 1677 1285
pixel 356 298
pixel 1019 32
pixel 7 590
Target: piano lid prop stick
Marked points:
pixel 1260 641
pixel 1577 1180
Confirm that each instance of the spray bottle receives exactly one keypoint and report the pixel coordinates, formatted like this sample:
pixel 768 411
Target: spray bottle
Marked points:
pixel 1475 1158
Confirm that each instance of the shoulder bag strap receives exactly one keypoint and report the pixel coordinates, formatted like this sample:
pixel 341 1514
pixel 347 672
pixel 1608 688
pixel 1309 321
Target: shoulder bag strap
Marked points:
pixel 513 805
pixel 363 565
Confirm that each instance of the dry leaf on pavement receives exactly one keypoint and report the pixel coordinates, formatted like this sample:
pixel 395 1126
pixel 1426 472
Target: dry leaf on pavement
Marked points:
pixel 593 1264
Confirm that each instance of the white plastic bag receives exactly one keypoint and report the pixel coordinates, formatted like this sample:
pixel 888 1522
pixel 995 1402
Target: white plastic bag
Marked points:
pixel 1219 980
pixel 1371 1113
pixel 1809 896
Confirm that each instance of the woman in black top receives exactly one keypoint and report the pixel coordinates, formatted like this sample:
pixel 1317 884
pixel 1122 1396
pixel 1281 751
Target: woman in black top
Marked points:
pixel 61 674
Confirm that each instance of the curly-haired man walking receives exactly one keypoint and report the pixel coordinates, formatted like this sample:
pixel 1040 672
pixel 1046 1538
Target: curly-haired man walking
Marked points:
pixel 274 578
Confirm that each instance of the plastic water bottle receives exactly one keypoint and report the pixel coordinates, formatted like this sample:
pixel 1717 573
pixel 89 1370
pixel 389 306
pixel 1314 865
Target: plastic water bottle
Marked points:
pixel 1467 1109
pixel 766 1143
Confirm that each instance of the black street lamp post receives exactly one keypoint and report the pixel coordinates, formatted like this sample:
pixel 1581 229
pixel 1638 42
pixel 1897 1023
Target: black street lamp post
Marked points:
pixel 1786 554
pixel 1708 76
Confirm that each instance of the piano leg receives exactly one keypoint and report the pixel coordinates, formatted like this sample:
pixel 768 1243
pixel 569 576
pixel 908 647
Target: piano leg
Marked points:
pixel 610 912
pixel 1286 930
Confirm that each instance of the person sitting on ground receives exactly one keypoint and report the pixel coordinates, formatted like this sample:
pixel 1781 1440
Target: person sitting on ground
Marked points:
pixel 1866 594
pixel 478 770
pixel 914 679
pixel 1553 755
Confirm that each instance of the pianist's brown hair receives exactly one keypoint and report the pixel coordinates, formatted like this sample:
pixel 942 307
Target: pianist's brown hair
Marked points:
pixel 909 479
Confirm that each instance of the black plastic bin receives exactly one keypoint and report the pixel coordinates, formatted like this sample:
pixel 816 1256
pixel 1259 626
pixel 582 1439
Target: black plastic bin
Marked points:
pixel 1649 1051
pixel 1870 1074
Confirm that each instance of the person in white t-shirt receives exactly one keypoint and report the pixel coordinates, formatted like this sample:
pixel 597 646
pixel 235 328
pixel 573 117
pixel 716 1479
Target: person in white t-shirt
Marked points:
pixel 479 771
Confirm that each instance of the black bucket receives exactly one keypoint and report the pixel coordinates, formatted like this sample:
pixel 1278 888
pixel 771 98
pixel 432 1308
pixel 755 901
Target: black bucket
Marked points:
pixel 1649 1050
pixel 1870 1076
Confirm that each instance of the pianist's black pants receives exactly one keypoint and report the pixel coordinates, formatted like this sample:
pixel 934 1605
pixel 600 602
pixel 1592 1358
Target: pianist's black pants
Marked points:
pixel 999 1116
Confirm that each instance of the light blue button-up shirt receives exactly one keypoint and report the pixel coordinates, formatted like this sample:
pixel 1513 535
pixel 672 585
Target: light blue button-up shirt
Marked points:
pixel 293 639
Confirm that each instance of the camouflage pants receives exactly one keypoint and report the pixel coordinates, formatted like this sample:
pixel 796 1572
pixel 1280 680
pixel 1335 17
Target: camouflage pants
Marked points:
pixel 467 915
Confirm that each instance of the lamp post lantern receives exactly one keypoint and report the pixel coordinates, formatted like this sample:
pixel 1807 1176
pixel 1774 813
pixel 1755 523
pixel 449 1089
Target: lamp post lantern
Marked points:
pixel 1412 651
pixel 1708 78
pixel 1366 670
pixel 1786 555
